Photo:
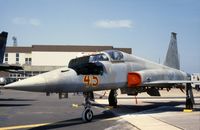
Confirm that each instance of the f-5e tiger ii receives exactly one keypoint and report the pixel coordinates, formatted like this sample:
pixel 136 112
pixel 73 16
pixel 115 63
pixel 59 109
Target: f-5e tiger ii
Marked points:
pixel 112 70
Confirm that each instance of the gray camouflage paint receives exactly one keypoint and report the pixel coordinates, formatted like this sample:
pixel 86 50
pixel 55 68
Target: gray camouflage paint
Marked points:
pixel 114 76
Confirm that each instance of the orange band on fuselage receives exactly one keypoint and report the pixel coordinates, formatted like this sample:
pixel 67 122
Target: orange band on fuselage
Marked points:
pixel 134 79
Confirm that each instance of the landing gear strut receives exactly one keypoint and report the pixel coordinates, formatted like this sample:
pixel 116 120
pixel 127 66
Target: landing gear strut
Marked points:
pixel 189 97
pixel 87 114
pixel 112 98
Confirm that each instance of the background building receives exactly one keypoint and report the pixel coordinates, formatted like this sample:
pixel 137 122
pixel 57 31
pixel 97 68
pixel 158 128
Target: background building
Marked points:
pixel 42 58
pixel 196 77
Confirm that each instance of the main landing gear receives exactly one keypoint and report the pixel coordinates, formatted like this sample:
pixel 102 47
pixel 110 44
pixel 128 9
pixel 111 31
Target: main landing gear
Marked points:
pixel 112 98
pixel 87 114
pixel 189 97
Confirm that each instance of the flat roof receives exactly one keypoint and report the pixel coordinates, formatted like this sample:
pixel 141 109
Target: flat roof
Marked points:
pixel 63 48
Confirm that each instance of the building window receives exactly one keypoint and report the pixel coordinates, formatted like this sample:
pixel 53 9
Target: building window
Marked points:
pixel 6 58
pixel 17 54
pixel 36 73
pixel 28 61
pixel 11 75
pixel 17 58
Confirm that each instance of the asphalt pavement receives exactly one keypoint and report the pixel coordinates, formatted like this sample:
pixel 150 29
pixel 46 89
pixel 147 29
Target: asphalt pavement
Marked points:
pixel 27 110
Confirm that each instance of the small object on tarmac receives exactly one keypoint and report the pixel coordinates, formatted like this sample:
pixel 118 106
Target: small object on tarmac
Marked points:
pixel 74 105
pixel 109 107
pixel 187 110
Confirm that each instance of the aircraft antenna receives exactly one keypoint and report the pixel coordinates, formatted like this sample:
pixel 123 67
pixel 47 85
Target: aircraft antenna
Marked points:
pixel 14 41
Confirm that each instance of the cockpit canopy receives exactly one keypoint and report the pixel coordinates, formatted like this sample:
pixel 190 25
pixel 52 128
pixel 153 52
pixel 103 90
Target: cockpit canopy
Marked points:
pixel 91 64
pixel 109 55
pixel 87 65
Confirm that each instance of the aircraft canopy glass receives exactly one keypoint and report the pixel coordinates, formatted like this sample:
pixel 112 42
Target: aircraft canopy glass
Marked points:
pixel 98 57
pixel 115 55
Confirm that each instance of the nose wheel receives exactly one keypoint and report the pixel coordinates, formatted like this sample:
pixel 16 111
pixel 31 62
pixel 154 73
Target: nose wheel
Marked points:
pixel 87 114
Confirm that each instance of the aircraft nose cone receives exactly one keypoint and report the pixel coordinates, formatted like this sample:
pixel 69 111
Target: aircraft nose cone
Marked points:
pixel 35 84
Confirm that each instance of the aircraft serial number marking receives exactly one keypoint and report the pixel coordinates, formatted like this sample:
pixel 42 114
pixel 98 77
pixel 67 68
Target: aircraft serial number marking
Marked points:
pixel 91 80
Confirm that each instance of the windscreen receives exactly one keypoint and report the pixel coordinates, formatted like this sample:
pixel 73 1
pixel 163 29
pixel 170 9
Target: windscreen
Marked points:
pixel 98 57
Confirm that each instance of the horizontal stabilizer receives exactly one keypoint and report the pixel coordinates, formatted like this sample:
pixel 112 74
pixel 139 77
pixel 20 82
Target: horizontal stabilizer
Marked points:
pixel 163 82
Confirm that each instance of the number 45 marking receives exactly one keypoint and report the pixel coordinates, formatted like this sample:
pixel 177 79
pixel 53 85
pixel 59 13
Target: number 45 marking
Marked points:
pixel 91 80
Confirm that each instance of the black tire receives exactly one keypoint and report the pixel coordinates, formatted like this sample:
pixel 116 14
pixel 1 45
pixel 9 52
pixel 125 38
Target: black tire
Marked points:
pixel 112 99
pixel 197 87
pixel 87 115
pixel 189 104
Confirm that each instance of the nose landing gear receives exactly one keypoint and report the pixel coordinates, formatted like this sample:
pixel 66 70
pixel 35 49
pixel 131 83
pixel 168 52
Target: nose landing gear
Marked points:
pixel 87 114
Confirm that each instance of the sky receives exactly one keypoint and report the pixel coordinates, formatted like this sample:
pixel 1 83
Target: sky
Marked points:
pixel 143 25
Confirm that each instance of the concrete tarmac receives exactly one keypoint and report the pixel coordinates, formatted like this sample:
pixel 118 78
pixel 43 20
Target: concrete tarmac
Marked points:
pixel 27 110
pixel 158 113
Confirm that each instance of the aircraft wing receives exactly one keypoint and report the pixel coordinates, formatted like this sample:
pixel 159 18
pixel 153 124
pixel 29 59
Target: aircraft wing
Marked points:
pixel 169 82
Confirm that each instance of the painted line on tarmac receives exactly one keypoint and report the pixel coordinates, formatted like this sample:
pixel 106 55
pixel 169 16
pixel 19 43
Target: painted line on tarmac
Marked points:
pixel 42 124
pixel 23 126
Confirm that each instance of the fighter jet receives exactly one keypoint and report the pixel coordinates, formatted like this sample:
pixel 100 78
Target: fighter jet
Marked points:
pixel 112 70
pixel 6 67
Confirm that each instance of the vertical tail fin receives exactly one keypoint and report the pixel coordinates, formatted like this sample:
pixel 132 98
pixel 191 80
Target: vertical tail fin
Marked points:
pixel 172 57
pixel 3 40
